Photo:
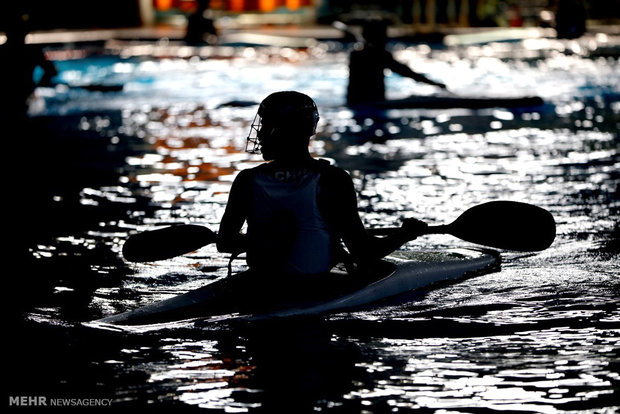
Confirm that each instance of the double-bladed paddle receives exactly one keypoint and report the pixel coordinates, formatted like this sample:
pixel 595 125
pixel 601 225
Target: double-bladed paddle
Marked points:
pixel 506 225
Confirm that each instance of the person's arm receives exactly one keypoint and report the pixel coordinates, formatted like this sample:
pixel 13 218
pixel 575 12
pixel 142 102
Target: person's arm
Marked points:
pixel 404 70
pixel 229 237
pixel 49 70
pixel 342 215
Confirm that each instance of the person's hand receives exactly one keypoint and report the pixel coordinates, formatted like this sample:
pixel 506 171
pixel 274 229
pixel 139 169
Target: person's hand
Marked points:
pixel 413 227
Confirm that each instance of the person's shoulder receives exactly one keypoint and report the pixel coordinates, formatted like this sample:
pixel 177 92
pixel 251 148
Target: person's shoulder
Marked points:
pixel 333 175
pixel 265 166
pixel 245 176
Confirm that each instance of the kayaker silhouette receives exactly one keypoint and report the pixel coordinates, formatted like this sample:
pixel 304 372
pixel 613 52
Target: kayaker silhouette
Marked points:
pixel 298 209
pixel 17 70
pixel 368 62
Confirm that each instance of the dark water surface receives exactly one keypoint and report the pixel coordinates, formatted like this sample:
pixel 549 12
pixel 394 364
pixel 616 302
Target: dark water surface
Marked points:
pixel 540 335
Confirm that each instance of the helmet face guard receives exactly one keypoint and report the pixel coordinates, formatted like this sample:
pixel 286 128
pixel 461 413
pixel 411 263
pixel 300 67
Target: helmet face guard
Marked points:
pixel 253 143
pixel 287 113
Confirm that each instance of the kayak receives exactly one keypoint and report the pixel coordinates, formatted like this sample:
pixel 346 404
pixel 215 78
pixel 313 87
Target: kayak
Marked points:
pixel 451 101
pixel 399 273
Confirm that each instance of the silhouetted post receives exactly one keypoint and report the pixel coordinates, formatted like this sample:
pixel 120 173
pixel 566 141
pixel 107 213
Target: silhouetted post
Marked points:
pixel 451 12
pixel 464 13
pixel 416 10
pixel 431 13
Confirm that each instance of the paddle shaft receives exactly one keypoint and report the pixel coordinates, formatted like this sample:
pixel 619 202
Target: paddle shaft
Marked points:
pixel 499 224
pixel 384 231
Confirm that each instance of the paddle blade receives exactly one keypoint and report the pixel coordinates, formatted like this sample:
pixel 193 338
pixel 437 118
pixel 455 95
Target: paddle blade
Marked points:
pixel 166 243
pixel 506 225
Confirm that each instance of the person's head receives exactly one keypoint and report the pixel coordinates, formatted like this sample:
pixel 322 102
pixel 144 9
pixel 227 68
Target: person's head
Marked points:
pixel 374 32
pixel 203 4
pixel 283 126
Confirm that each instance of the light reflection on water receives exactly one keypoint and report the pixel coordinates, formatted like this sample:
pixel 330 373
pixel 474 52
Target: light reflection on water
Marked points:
pixel 541 335
pixel 494 372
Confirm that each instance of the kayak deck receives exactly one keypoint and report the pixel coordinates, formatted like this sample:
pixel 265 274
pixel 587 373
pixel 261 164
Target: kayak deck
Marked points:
pixel 253 298
pixel 412 270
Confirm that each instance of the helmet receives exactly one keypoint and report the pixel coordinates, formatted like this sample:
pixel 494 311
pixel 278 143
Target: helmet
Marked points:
pixel 375 31
pixel 283 113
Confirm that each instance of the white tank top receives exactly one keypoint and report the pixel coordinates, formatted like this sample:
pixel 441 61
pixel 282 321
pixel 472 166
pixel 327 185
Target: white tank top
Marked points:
pixel 286 231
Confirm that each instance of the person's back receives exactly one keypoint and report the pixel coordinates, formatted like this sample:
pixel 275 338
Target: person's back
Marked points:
pixel 200 28
pixel 286 230
pixel 298 209
pixel 366 75
pixel 367 63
